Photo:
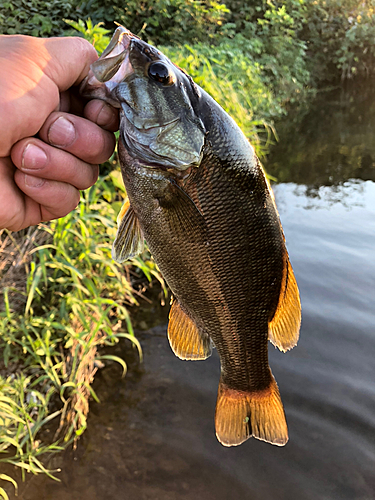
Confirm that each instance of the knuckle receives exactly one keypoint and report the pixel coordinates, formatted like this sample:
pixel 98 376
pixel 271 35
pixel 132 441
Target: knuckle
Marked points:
pixel 85 46
pixel 98 146
pixel 89 177
pixel 66 201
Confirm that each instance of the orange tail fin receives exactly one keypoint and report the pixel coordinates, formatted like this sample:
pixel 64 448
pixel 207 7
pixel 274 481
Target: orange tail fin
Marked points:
pixel 241 415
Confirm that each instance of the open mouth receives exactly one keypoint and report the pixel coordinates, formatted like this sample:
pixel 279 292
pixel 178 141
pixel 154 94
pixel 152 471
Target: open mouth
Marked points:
pixel 112 67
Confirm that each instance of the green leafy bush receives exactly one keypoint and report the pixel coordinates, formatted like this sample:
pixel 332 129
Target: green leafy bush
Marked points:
pixel 341 38
pixel 34 17
pixel 95 34
pixel 161 21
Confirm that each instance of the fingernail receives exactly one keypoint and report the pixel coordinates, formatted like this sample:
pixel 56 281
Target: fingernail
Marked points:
pixel 105 116
pixel 33 157
pixel 34 182
pixel 61 133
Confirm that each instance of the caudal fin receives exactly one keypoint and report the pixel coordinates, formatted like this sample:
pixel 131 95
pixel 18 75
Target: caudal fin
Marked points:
pixel 241 415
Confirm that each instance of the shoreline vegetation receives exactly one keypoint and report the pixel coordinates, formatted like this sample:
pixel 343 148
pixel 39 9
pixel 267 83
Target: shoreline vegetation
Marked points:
pixel 62 297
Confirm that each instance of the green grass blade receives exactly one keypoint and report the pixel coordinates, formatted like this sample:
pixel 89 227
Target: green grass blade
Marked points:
pixel 118 360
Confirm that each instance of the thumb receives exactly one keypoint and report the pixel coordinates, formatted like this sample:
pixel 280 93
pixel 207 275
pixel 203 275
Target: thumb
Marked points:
pixel 69 61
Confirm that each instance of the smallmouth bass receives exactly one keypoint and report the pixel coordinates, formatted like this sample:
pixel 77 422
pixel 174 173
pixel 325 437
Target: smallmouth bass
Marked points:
pixel 199 197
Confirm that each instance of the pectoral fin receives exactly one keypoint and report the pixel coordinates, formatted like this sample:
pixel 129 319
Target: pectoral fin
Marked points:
pixel 284 327
pixel 183 213
pixel 184 337
pixel 129 240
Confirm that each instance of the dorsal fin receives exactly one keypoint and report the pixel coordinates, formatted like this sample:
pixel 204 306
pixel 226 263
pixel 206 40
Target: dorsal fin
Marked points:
pixel 129 238
pixel 184 337
pixel 284 327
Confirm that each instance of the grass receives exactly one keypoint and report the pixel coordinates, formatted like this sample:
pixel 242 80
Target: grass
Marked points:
pixel 64 299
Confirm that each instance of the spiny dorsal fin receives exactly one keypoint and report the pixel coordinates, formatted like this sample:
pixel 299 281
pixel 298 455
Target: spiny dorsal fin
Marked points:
pixel 241 415
pixel 129 238
pixel 283 330
pixel 184 337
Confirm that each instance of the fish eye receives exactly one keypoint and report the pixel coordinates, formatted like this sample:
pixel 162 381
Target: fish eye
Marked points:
pixel 161 73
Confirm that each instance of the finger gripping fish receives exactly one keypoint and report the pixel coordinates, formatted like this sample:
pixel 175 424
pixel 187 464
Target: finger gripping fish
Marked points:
pixel 199 197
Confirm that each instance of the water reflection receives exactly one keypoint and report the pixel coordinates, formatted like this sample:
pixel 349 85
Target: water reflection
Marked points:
pixel 330 143
pixel 152 436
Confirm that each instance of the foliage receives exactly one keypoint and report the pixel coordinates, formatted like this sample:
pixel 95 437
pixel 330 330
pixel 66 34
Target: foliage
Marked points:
pixel 159 20
pixel 34 17
pixel 74 303
pixel 162 21
pixel 327 38
pixel 340 37
pixel 95 34
pixel 294 43
pixel 268 32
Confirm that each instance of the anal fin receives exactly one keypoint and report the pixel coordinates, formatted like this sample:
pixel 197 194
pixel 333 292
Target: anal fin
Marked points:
pixel 241 415
pixel 283 329
pixel 184 337
pixel 129 240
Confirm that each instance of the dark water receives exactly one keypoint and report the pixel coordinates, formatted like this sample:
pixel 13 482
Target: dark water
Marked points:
pixel 152 436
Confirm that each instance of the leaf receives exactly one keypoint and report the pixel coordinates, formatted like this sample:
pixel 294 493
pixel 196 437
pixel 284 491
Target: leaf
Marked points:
pixel 35 281
pixel 4 477
pixel 135 341
pixel 117 359
pixel 3 494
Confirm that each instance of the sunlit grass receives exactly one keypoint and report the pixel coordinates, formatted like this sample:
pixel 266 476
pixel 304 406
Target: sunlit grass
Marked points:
pixel 74 300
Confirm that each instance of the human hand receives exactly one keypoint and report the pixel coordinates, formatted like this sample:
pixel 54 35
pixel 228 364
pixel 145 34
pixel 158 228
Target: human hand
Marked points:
pixel 51 143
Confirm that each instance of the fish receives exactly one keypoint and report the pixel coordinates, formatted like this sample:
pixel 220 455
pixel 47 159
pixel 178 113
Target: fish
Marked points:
pixel 197 194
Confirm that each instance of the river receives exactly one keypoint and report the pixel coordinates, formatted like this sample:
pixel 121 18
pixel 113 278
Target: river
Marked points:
pixel 152 436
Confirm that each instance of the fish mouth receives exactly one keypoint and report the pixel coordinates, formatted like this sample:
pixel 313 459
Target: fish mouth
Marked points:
pixel 112 67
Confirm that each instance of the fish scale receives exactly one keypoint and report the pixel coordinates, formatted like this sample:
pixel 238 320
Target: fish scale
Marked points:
pixel 197 194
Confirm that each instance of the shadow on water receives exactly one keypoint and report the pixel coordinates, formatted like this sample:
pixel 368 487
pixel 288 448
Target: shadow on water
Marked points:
pixel 152 436
pixel 328 143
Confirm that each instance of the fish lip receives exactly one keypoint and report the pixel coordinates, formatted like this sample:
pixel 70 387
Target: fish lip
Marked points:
pixel 121 36
pixel 100 81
